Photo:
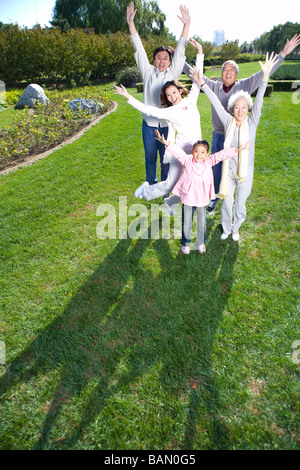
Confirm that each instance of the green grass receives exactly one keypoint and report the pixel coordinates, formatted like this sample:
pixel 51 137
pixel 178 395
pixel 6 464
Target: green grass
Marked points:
pixel 128 344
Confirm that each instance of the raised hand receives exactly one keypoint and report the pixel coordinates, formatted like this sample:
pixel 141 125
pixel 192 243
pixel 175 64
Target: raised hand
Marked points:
pixel 172 50
pixel 196 44
pixel 185 15
pixel 290 45
pixel 130 13
pixel 268 65
pixel 186 19
pixel 195 75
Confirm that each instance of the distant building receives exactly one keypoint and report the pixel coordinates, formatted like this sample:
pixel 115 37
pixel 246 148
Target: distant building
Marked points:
pixel 219 38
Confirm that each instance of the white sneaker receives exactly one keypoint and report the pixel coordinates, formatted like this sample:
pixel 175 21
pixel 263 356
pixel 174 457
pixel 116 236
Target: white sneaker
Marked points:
pixel 139 192
pixel 224 236
pixel 235 236
pixel 201 248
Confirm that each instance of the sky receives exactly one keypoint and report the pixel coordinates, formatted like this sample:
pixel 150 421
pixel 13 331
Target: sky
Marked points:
pixel 242 21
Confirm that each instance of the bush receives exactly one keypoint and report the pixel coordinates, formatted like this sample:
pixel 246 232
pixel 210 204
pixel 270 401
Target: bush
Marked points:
pixel 287 72
pixel 282 85
pixel 246 57
pixel 213 61
pixel 268 91
pixel 129 77
pixel 48 56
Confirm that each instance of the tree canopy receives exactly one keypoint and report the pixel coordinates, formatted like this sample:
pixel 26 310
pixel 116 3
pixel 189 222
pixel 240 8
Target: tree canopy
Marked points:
pixel 275 39
pixel 229 50
pixel 109 16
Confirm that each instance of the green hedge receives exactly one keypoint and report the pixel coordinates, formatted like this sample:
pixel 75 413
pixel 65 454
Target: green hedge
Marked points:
pixel 268 91
pixel 287 72
pixel 282 85
pixel 46 55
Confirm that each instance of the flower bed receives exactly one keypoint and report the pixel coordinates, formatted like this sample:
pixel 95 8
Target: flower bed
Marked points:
pixel 45 126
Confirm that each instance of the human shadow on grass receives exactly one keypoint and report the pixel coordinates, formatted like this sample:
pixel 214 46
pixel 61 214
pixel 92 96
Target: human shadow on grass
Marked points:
pixel 126 312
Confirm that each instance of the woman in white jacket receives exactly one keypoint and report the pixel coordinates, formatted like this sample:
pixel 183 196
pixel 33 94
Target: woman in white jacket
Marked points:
pixel 182 114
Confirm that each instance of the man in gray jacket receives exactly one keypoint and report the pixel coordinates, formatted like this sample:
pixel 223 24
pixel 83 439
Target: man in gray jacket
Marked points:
pixel 154 77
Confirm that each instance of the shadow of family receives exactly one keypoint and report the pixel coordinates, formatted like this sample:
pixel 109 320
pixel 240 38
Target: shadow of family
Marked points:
pixel 126 311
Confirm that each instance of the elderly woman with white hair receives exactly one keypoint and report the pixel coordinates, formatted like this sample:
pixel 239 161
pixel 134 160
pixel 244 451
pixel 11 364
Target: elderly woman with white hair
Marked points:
pixel 240 128
pixel 224 89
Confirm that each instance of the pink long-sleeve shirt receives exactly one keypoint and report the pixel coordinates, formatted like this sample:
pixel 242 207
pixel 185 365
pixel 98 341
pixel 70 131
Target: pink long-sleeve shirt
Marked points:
pixel 195 186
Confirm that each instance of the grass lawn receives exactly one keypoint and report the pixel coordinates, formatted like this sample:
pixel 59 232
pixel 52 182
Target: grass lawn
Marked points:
pixel 128 344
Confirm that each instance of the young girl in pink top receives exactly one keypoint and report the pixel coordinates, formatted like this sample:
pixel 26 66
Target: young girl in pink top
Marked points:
pixel 195 186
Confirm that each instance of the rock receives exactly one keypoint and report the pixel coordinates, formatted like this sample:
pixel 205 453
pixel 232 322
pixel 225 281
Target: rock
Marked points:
pixel 85 105
pixel 31 95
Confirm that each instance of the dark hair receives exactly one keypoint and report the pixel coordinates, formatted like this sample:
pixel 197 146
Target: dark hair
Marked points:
pixel 202 142
pixel 179 87
pixel 162 48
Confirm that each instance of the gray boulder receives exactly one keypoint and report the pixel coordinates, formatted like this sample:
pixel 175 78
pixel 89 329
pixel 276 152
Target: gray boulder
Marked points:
pixel 85 105
pixel 31 95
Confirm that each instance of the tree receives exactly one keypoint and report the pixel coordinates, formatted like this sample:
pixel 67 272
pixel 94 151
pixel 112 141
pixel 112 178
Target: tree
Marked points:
pixel 74 11
pixel 230 50
pixel 108 16
pixel 275 39
pixel 247 48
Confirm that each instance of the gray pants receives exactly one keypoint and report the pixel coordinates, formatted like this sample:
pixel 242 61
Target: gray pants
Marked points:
pixel 243 191
pixel 188 222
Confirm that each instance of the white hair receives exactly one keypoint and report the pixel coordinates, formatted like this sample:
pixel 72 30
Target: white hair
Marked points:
pixel 232 63
pixel 239 94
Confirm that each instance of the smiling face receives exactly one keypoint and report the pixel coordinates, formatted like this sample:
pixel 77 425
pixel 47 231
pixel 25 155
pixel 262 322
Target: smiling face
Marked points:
pixel 173 95
pixel 229 74
pixel 240 110
pixel 162 60
pixel 200 153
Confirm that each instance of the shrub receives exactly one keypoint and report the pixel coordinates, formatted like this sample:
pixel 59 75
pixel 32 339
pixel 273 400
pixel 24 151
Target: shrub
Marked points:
pixel 268 91
pixel 287 72
pixel 140 87
pixel 129 77
pixel 246 57
pixel 46 55
pixel 282 85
